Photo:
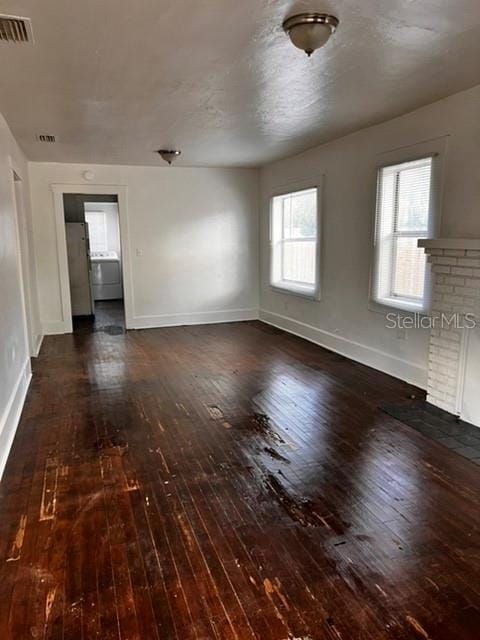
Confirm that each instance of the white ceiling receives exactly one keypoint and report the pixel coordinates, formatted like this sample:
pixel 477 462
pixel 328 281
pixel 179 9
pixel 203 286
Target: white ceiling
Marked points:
pixel 116 79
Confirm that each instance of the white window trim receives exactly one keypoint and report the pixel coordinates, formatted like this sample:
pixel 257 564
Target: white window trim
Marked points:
pixel 310 293
pixel 435 149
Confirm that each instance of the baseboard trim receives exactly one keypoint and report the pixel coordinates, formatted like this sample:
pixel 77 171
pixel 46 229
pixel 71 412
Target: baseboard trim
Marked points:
pixel 38 346
pixel 52 328
pixel 199 317
pixel 380 360
pixel 11 415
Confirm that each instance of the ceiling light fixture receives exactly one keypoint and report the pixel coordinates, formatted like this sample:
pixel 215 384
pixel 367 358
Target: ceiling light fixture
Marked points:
pixel 310 31
pixel 169 155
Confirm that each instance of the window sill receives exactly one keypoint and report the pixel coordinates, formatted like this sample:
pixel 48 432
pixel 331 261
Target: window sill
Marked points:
pixel 309 294
pixel 389 306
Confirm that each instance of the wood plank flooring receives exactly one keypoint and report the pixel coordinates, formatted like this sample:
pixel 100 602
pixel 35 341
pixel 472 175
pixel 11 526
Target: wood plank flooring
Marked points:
pixel 229 482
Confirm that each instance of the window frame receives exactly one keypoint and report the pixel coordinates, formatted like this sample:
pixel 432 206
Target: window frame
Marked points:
pixel 403 303
pixel 290 287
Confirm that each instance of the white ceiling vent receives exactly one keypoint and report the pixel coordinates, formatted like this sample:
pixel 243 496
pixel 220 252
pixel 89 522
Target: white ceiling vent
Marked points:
pixel 43 137
pixel 15 29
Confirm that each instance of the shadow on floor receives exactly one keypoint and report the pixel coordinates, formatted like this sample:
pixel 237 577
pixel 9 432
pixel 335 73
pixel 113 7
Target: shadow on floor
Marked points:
pixel 109 318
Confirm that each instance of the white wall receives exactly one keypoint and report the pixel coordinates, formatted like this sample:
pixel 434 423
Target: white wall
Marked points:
pixel 471 395
pixel 193 237
pixel 343 319
pixel 14 340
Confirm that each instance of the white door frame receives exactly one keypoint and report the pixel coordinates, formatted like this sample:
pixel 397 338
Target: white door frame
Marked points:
pixel 14 170
pixel 96 189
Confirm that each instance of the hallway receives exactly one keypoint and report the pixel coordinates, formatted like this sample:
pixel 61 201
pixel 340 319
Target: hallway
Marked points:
pixel 229 481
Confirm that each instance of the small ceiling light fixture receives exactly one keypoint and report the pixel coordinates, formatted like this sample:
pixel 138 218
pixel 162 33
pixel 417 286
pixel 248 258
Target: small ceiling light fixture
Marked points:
pixel 310 31
pixel 169 155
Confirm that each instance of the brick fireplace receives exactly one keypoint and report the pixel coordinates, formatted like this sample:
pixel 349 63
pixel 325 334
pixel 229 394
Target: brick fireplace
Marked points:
pixel 455 272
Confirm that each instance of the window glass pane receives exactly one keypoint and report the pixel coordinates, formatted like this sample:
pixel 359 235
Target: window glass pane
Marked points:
pixel 97 230
pixel 408 268
pixel 300 214
pixel 403 217
pixel 299 261
pixel 293 236
pixel 413 197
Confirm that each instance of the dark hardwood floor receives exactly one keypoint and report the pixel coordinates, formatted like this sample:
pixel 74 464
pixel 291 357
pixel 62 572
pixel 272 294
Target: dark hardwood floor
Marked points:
pixel 229 481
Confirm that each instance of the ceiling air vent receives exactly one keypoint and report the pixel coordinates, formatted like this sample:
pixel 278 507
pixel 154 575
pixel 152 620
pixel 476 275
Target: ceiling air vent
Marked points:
pixel 46 138
pixel 15 29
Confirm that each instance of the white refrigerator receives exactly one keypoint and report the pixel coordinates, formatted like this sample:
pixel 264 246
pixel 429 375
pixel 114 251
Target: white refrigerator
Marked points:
pixel 79 269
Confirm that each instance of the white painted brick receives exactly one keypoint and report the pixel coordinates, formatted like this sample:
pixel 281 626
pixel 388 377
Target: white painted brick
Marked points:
pixel 450 335
pixel 445 398
pixel 443 405
pixel 471 302
pixel 445 342
pixel 446 389
pixel 471 282
pixel 439 350
pixel 458 253
pixel 449 353
pixel 441 307
pixel 453 299
pixel 437 378
pixel 456 289
pixel 441 341
pixel 462 309
pixel 441 268
pixel 444 260
pixel 443 349
pixel 468 262
pixel 455 280
pixel 446 394
pixel 450 371
pixel 441 360
pixel 461 271
pixel 436 381
pixel 467 291
pixel 435 391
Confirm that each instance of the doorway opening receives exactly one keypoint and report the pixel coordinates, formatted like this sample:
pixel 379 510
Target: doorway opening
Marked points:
pixel 94 255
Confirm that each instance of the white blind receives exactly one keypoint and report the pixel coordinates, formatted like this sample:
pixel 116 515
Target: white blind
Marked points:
pixel 97 230
pixel 294 240
pixel 403 216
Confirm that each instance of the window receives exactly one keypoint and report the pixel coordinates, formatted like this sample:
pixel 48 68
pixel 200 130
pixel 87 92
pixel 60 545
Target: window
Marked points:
pixel 403 216
pixel 97 230
pixel 294 238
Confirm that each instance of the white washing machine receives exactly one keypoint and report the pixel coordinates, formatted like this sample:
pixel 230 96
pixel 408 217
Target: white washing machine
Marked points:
pixel 106 275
